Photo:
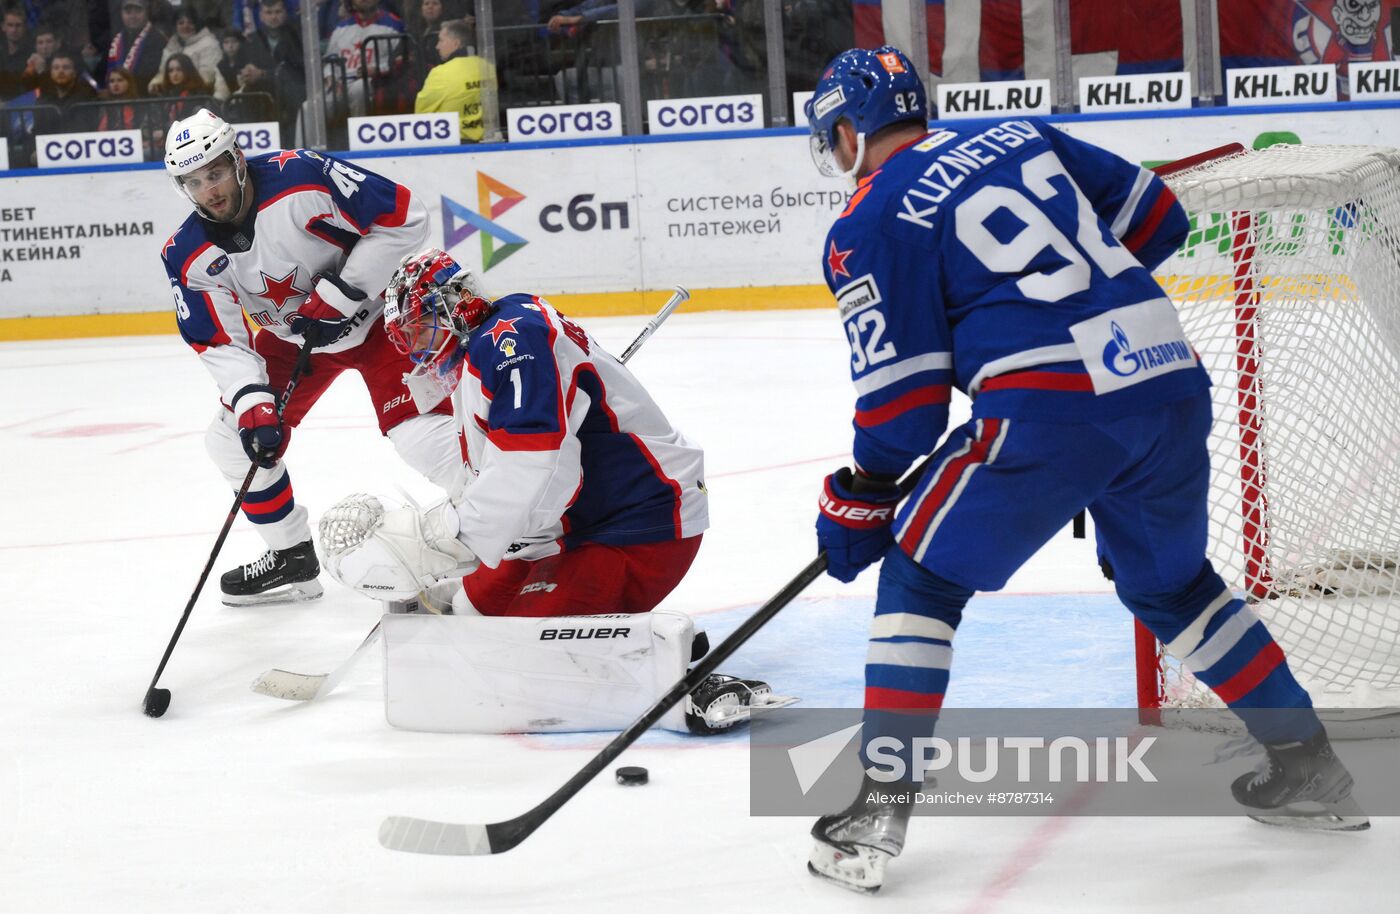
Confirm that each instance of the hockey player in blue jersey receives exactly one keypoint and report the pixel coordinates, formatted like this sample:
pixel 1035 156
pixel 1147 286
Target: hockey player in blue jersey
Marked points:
pixel 263 230
pixel 1014 262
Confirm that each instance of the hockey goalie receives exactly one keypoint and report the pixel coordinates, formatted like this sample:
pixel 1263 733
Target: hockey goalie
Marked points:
pixel 584 507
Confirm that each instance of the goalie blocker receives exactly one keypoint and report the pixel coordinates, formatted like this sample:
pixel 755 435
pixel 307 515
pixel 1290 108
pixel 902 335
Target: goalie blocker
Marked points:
pixel 479 674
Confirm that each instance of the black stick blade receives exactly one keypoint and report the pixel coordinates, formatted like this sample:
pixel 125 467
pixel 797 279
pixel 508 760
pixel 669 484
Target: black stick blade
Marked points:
pixel 157 701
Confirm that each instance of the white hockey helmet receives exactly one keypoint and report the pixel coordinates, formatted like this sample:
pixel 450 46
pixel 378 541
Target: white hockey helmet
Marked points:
pixel 200 140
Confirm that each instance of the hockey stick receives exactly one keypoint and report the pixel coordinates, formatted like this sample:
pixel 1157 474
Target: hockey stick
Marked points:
pixel 310 686
pixel 678 297
pixel 158 700
pixel 424 836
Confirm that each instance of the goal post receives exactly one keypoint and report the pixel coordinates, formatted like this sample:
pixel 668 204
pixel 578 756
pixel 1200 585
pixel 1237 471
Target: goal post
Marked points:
pixel 1288 286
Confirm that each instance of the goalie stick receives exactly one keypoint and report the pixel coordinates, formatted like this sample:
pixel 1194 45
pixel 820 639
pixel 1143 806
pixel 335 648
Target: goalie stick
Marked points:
pixel 291 686
pixel 425 836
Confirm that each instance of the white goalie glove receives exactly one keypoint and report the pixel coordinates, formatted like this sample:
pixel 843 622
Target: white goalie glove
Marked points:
pixel 392 552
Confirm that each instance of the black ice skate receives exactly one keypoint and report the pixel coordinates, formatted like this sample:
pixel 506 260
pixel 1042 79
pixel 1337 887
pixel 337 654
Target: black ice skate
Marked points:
pixel 854 846
pixel 280 576
pixel 719 702
pixel 1302 785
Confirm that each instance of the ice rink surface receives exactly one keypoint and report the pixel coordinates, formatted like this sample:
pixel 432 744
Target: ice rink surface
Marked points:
pixel 234 802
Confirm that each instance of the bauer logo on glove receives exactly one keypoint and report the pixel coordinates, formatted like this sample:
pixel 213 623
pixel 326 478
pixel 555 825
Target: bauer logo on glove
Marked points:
pixel 854 514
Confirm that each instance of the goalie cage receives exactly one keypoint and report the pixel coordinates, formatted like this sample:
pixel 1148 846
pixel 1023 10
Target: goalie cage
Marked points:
pixel 1289 288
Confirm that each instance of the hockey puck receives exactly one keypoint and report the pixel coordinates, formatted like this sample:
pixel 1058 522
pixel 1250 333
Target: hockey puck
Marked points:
pixel 631 776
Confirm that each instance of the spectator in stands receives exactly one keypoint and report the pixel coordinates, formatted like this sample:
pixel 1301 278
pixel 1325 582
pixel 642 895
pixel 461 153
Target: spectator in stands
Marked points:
pixel 360 41
pixel 36 69
pixel 235 47
pixel 197 43
pixel 425 23
pixel 275 65
pixel 456 84
pixel 139 45
pixel 182 81
pixel 15 51
pixel 65 89
pixel 121 87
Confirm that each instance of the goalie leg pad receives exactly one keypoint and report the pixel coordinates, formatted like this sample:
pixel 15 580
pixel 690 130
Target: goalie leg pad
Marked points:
pixel 477 674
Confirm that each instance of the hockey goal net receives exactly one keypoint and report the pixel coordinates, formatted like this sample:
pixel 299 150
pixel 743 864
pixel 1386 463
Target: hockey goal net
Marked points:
pixel 1289 288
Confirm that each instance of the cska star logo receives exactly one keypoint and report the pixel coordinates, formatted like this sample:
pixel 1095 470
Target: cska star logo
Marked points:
pixel 282 158
pixel 502 327
pixel 279 291
pixel 836 261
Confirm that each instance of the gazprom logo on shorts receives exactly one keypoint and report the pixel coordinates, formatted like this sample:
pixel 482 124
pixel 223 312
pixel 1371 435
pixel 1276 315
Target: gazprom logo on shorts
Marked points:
pixel 1120 358
pixel 493 199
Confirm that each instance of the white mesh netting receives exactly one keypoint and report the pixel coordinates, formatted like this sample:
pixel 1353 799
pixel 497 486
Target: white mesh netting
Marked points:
pixel 1289 288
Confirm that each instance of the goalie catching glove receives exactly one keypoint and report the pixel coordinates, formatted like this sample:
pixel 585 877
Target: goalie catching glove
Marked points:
pixel 391 552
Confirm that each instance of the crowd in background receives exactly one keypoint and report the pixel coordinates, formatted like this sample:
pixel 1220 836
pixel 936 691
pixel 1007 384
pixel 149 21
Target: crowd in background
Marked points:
pixel 69 66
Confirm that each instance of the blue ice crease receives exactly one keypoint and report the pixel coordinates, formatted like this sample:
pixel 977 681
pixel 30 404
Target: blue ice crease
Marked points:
pixel 1012 651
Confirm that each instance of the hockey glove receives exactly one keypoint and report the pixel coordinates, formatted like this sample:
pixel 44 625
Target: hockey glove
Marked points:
pixel 325 316
pixel 854 524
pixel 259 426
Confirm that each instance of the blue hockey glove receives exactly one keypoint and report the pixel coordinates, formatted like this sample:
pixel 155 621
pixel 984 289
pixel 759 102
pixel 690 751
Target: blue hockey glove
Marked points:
pixel 854 524
pixel 259 426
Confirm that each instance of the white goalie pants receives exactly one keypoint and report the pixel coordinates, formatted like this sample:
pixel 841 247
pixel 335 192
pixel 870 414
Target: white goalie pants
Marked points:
pixel 426 443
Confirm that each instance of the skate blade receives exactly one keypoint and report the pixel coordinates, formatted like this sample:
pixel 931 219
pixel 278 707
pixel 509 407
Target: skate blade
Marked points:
pixel 724 714
pixel 300 592
pixel 1345 815
pixel 862 871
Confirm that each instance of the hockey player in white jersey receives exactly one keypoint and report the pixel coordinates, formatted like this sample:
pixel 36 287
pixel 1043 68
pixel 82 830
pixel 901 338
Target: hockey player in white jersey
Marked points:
pixel 359 40
pixel 263 230
pixel 1014 262
pixel 582 498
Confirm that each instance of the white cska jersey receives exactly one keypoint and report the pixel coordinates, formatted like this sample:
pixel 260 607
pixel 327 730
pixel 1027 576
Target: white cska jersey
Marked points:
pixel 311 214
pixel 347 42
pixel 565 446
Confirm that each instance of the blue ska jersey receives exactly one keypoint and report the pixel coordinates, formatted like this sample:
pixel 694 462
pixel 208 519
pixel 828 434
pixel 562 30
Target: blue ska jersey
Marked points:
pixel 1014 263
pixel 564 445
pixel 311 214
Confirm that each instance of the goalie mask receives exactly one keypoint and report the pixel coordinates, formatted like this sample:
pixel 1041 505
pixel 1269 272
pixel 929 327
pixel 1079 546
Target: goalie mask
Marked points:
pixel 431 307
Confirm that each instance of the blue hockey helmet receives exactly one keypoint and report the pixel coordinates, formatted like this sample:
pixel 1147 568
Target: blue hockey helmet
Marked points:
pixel 872 90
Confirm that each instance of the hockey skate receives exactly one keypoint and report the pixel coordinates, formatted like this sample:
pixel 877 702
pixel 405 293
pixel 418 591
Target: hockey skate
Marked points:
pixel 279 576
pixel 719 702
pixel 1302 785
pixel 854 846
